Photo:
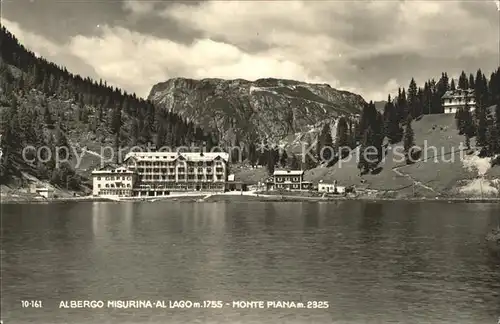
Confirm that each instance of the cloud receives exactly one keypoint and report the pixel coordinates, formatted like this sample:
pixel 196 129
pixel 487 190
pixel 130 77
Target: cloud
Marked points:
pixel 369 48
pixel 138 7
pixel 40 45
pixel 329 38
pixel 137 61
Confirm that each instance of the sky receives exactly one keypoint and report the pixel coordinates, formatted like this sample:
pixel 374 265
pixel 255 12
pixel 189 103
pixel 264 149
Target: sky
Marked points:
pixel 367 47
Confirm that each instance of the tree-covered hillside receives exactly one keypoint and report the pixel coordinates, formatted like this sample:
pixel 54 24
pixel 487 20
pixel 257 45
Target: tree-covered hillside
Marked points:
pixel 44 105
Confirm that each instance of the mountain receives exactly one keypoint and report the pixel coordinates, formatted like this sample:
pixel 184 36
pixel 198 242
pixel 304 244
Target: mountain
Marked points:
pixel 241 110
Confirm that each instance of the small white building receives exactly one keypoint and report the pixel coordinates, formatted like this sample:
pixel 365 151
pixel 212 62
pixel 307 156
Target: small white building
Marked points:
pixel 115 182
pixel 45 192
pixel 330 187
pixel 456 99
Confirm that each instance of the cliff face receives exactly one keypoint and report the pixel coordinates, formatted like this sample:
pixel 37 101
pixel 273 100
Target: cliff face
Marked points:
pixel 263 109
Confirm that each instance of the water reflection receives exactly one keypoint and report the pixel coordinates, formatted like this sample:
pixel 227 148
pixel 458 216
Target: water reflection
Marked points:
pixel 310 213
pixel 111 220
pixel 371 221
pixel 374 263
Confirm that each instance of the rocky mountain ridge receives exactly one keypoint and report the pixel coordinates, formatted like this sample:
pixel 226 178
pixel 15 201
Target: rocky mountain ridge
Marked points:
pixel 241 110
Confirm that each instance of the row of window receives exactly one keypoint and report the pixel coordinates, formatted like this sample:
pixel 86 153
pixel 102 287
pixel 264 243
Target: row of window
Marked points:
pixel 114 178
pixel 460 100
pixel 180 186
pixel 164 170
pixel 115 192
pixel 179 178
pixel 119 170
pixel 108 185
pixel 295 186
pixel 172 164
pixel 282 179
pixel 150 157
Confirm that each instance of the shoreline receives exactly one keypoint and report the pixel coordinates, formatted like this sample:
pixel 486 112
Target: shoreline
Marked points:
pixel 237 196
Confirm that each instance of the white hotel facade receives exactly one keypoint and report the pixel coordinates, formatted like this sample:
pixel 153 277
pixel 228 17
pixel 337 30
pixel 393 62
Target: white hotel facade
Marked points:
pixel 453 100
pixel 159 173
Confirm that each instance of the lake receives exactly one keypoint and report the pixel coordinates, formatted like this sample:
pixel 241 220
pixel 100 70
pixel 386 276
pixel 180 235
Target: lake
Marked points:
pixel 386 262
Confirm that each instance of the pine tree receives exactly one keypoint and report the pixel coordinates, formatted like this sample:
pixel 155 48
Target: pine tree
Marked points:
pixel 308 161
pixel 427 99
pixel 463 83
pixel 342 137
pixel 271 161
pixel 392 130
pixel 452 85
pixel 364 150
pixel 492 139
pixel 472 83
pixel 409 139
pixel 403 105
pixel 481 122
pixel 134 132
pixel 294 162
pixel 325 144
pixel 160 136
pixel 412 98
pixel 283 158
pixel 252 154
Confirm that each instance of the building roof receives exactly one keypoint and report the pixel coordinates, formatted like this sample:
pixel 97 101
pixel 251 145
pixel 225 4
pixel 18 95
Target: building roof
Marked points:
pixel 458 93
pixel 108 170
pixel 288 172
pixel 172 156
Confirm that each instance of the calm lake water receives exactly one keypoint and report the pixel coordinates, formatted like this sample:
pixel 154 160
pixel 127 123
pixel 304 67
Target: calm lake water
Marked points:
pixel 389 262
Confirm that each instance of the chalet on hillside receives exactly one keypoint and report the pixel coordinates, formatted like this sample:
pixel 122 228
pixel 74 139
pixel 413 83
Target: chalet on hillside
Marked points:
pixel 456 99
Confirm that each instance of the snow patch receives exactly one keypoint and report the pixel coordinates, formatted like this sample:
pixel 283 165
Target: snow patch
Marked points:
pixel 254 89
pixel 474 163
pixel 481 186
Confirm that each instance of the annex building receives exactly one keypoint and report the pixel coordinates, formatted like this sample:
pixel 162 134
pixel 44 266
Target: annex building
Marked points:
pixel 289 180
pixel 453 100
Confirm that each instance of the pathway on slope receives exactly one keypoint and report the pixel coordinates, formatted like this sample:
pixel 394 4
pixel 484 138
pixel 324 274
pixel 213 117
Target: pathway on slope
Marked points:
pixel 416 182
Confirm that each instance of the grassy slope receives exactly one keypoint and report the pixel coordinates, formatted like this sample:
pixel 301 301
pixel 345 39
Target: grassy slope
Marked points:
pixel 440 178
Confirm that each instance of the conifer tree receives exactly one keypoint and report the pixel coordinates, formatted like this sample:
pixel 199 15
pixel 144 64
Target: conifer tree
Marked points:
pixel 409 139
pixel 482 126
pixel 325 144
pixel 342 136
pixel 252 154
pixel 452 85
pixel 412 98
pixel 294 162
pixel 283 158
pixel 471 84
pixel 271 161
pixel 308 162
pixel 392 129
pixel 366 158
pixel 463 83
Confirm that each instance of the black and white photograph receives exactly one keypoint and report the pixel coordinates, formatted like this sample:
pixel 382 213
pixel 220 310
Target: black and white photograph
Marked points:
pixel 250 162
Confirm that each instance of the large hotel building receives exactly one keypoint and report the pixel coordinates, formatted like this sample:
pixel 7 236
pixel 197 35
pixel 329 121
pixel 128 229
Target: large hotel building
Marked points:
pixel 158 173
